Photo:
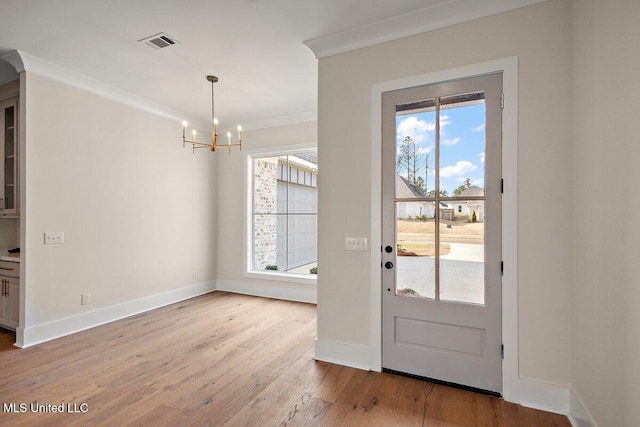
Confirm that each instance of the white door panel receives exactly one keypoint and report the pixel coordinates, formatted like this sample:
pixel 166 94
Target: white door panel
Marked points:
pixel 442 232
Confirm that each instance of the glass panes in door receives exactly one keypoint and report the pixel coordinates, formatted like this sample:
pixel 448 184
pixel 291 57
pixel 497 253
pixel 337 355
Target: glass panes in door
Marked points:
pixel 440 148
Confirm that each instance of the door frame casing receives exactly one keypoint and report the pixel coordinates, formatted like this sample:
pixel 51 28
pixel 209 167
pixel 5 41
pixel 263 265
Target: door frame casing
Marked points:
pixel 509 68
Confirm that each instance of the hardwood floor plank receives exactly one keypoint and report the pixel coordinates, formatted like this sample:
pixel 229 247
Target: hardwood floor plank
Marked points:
pixel 224 359
pixel 282 397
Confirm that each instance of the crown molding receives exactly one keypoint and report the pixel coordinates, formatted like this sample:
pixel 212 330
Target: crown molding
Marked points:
pixel 15 60
pixel 292 119
pixel 439 15
pixel 25 62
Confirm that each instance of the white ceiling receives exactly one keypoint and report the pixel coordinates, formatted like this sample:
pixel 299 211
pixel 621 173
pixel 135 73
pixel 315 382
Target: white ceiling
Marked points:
pixel 267 75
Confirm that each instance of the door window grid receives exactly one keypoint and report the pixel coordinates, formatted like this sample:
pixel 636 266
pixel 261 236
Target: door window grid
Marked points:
pixel 439 207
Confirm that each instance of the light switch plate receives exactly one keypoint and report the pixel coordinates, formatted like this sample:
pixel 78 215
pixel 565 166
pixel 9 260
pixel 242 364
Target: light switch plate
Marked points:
pixel 54 238
pixel 355 243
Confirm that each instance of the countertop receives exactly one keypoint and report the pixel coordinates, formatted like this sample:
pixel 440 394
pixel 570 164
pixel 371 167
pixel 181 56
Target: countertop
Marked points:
pixel 10 257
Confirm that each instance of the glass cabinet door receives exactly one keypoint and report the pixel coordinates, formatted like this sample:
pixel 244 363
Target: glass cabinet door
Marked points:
pixel 9 144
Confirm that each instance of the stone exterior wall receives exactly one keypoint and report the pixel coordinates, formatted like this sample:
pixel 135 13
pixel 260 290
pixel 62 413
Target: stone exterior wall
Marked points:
pixel 265 200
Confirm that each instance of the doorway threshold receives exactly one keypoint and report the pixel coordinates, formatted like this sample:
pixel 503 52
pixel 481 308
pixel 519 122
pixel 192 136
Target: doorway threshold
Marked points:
pixel 444 383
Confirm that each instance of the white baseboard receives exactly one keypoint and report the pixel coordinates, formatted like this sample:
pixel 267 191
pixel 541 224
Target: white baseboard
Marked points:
pixel 578 414
pixel 343 354
pixel 269 289
pixel 554 398
pixel 543 396
pixel 32 335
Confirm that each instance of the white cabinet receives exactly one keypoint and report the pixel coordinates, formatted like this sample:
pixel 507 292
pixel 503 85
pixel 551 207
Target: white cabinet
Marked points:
pixel 10 312
pixel 9 158
pixel 10 286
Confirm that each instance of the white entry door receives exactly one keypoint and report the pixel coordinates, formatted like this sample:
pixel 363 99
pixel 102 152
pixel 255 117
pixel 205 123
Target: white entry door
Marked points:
pixel 442 232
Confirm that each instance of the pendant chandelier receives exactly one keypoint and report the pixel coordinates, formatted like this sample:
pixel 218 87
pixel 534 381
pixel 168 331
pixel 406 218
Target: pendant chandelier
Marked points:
pixel 213 145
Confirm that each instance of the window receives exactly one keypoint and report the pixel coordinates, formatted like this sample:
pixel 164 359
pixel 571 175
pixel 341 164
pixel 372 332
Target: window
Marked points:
pixel 283 213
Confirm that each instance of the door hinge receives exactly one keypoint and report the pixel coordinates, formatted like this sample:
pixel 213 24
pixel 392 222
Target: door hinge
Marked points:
pixel 502 100
pixel 502 351
pixel 502 268
pixel 502 186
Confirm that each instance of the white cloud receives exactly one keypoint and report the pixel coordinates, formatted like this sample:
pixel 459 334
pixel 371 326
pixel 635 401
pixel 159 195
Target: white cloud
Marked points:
pixel 462 167
pixel 444 122
pixel 418 130
pixel 453 141
pixel 481 155
pixel 422 132
pixel 479 128
pixel 425 150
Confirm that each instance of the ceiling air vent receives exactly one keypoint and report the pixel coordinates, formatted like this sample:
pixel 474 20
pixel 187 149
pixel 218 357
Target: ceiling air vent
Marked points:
pixel 159 41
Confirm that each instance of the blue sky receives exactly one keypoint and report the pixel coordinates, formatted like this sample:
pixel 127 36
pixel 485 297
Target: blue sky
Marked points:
pixel 462 143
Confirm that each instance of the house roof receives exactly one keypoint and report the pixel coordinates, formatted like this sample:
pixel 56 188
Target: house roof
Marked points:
pixel 311 156
pixel 473 191
pixel 407 190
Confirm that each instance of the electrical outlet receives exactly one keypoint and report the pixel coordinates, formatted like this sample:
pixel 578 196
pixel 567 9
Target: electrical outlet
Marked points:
pixel 54 238
pixel 355 243
pixel 86 299
pixel 194 275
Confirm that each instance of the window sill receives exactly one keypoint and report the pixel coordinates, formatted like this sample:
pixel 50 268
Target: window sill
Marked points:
pixel 303 279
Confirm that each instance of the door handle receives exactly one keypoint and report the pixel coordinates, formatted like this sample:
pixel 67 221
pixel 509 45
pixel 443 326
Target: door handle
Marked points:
pixel 388 265
pixel 388 249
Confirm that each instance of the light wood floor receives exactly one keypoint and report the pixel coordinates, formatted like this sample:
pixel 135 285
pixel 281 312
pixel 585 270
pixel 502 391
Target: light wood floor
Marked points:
pixel 226 360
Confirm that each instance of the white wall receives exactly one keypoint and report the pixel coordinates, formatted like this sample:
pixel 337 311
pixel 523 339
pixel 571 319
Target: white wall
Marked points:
pixel 606 291
pixel 230 214
pixel 137 210
pixel 540 37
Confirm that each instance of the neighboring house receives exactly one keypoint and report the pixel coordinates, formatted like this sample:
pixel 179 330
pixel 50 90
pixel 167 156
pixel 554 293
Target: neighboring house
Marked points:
pixel 468 207
pixel 407 190
pixel 297 236
pixel 404 210
pixel 286 196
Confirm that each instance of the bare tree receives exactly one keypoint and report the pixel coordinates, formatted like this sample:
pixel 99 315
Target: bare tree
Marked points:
pixel 411 161
pixel 407 157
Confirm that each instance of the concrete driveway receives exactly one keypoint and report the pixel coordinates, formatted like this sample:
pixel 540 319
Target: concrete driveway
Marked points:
pixel 461 274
